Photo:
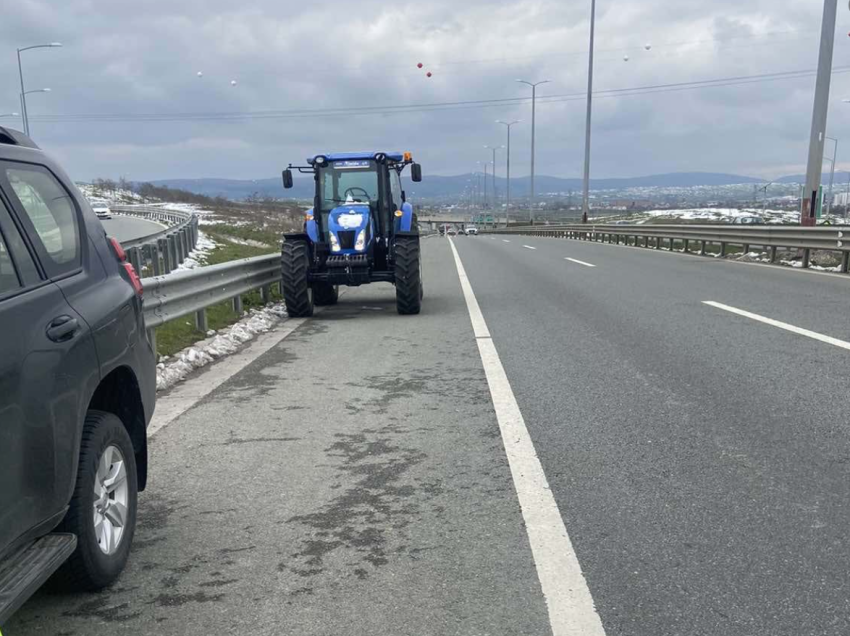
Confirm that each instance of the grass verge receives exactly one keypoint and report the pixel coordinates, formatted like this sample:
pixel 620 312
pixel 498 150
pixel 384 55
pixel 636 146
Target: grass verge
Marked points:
pixel 176 335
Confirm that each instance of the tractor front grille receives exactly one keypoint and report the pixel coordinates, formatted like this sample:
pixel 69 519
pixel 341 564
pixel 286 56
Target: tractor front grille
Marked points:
pixel 346 239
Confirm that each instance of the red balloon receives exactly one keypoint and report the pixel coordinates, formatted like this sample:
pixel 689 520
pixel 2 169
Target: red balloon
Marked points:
pixel 428 73
pixel 419 65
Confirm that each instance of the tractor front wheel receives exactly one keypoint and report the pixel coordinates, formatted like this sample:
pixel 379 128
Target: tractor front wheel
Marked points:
pixel 325 294
pixel 294 266
pixel 408 276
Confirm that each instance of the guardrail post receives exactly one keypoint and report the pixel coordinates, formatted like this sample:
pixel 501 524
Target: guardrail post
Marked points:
pixel 266 293
pixel 806 254
pixel 702 248
pixel 746 249
pixel 845 262
pixel 172 251
pixel 178 244
pixel 686 250
pixel 153 251
pixel 184 237
pixel 773 254
pixel 722 250
pixel 237 305
pixel 135 261
pixel 162 246
pixel 658 242
pixel 201 323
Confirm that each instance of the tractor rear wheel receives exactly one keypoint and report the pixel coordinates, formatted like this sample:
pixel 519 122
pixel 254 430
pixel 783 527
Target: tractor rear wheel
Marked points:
pixel 325 294
pixel 408 276
pixel 294 266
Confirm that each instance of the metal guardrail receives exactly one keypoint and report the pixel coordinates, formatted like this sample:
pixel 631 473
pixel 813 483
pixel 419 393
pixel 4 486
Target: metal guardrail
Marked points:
pixel 192 291
pixel 772 237
pixel 163 251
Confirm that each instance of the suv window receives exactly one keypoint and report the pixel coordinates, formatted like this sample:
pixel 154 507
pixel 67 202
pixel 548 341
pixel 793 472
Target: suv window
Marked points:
pixel 8 276
pixel 52 213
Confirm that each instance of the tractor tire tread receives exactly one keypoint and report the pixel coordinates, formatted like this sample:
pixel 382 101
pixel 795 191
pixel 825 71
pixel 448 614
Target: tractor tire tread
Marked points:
pixel 408 278
pixel 295 264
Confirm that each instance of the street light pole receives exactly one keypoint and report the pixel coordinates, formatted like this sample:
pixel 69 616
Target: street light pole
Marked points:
pixel 485 185
pixel 508 194
pixel 821 107
pixel 585 204
pixel 24 113
pixel 832 174
pixel 495 194
pixel 534 86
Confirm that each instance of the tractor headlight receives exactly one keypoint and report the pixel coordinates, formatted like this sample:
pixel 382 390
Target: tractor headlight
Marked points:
pixel 360 243
pixel 334 243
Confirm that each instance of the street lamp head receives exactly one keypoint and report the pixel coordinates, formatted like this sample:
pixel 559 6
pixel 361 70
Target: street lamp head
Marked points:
pixel 55 44
pixel 45 90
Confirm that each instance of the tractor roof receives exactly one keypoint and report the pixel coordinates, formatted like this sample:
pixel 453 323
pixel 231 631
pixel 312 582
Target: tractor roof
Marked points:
pixel 342 156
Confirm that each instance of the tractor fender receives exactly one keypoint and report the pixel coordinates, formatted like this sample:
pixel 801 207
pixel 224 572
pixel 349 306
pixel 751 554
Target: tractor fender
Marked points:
pixel 310 227
pixel 406 221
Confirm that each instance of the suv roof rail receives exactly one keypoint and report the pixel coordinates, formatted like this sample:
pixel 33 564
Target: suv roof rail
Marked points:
pixel 13 137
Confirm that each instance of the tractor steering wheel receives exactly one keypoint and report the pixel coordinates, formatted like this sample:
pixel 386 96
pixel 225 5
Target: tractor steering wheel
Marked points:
pixel 352 190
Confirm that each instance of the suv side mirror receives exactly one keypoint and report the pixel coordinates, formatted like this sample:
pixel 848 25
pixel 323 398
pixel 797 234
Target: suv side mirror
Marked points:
pixel 287 178
pixel 416 172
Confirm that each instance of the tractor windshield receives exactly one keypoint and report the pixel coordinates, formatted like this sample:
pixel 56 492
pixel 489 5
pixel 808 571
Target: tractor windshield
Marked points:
pixel 348 182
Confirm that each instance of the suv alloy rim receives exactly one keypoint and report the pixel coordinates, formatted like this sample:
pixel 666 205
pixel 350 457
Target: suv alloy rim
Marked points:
pixel 110 499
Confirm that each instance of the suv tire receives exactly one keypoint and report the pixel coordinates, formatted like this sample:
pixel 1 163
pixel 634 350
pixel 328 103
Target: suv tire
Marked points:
pixel 92 567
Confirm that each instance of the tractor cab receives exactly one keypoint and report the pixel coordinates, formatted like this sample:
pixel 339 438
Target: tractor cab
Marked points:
pixel 359 219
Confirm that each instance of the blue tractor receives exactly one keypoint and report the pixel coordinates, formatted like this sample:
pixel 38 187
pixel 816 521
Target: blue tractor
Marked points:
pixel 361 229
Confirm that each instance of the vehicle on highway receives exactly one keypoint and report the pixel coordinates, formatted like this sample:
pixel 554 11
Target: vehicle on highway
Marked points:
pixel 451 232
pixel 77 384
pixel 748 220
pixel 102 211
pixel 361 229
pixel 472 231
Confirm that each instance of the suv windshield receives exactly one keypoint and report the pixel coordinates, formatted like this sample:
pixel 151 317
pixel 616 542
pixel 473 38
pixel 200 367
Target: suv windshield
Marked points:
pixel 344 182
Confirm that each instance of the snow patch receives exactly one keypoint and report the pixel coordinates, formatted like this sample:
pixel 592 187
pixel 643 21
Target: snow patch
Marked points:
pixel 172 370
pixel 198 257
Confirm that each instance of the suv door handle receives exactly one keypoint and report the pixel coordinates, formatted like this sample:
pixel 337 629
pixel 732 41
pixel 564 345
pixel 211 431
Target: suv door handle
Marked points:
pixel 62 328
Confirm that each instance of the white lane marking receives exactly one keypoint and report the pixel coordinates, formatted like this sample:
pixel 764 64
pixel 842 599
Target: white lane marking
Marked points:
pixel 568 599
pixel 781 325
pixel 575 260
pixel 188 393
pixel 505 241
pixel 528 247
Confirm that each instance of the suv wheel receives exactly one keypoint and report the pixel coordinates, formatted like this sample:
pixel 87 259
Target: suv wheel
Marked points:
pixel 102 512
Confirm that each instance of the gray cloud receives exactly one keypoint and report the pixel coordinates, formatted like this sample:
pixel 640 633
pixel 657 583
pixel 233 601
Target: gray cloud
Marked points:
pixel 131 58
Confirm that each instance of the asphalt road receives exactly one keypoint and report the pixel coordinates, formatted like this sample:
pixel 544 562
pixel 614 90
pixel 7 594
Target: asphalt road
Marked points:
pixel 352 480
pixel 127 228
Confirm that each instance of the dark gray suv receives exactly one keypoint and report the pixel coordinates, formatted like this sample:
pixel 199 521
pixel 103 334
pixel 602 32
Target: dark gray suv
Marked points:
pixel 77 384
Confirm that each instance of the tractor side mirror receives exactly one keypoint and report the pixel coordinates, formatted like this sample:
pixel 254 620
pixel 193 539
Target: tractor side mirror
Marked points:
pixel 416 172
pixel 287 178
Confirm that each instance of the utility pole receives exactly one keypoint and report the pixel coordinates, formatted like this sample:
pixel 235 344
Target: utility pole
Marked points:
pixel 819 113
pixel 585 205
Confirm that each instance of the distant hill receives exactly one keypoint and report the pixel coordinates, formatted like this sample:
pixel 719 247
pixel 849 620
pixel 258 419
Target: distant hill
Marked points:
pixel 840 177
pixel 439 186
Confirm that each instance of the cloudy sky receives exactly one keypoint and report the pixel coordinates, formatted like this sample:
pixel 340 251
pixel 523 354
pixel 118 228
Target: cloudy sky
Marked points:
pixel 126 98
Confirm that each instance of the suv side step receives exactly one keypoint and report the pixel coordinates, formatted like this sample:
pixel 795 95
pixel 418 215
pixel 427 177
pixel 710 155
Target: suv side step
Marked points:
pixel 24 572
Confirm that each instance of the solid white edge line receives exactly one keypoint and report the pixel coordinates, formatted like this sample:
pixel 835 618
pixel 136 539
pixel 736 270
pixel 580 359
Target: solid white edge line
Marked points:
pixel 188 393
pixel 568 598
pixel 781 325
pixel 528 247
pixel 575 260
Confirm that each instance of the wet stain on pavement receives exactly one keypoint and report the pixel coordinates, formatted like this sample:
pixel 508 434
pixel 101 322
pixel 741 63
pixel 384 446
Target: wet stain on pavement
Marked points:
pixel 176 600
pixel 378 503
pixel 104 610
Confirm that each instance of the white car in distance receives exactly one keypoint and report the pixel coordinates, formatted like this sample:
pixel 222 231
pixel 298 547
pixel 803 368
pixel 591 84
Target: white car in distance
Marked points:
pixel 102 210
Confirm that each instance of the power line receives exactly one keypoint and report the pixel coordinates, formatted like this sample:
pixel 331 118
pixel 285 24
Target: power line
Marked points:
pixel 425 107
